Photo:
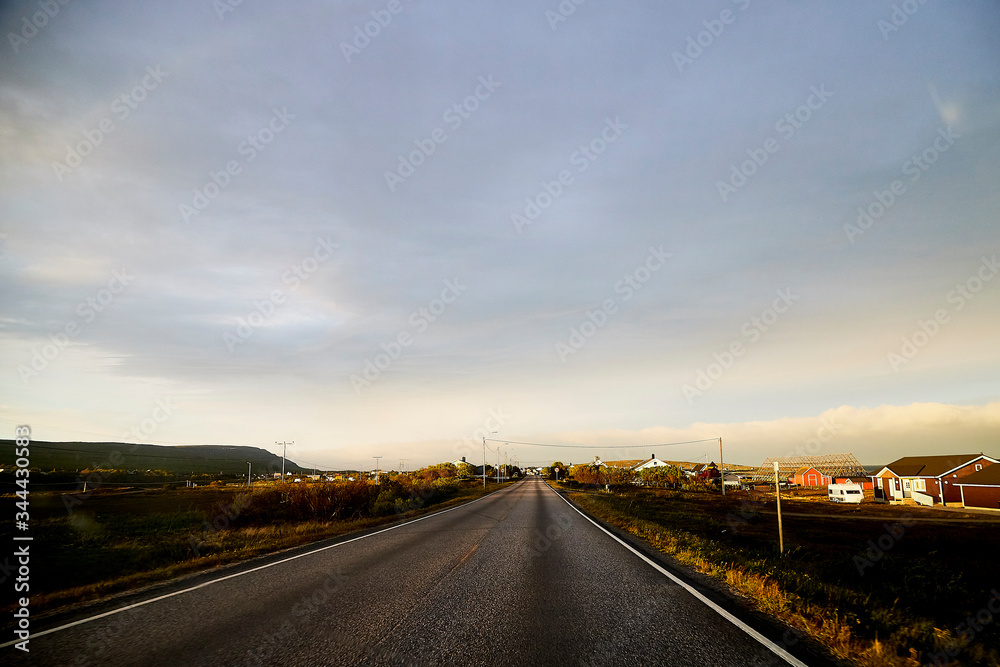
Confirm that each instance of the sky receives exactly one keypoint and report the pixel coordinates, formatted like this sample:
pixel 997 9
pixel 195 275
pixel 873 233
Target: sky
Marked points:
pixel 394 228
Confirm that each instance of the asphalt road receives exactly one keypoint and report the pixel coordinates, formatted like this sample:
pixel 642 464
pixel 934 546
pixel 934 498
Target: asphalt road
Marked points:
pixel 518 577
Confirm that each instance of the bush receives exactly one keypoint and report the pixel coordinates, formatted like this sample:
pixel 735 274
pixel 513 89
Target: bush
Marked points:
pixel 302 502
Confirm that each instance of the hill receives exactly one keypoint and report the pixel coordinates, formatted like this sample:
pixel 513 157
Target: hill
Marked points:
pixel 180 459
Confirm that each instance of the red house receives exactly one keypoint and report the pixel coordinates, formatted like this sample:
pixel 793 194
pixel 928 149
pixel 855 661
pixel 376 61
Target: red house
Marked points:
pixel 810 477
pixel 927 479
pixel 706 471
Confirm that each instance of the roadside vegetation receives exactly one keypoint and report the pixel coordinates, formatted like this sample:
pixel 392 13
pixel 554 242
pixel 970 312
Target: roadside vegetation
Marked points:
pixel 886 592
pixel 117 540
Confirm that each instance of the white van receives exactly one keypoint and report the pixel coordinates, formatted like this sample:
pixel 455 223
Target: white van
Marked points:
pixel 848 492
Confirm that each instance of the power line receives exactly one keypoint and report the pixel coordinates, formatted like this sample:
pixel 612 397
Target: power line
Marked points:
pixel 546 444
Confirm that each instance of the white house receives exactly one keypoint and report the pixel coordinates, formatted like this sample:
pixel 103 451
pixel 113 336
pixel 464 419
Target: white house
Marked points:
pixel 651 462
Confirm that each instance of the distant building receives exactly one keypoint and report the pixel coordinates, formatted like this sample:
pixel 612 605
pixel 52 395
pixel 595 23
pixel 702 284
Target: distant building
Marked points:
pixel 706 471
pixel 864 482
pixel 651 462
pixel 830 465
pixel 809 476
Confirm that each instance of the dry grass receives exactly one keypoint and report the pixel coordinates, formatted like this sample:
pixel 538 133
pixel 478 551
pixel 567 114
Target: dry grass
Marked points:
pixel 121 544
pixel 814 607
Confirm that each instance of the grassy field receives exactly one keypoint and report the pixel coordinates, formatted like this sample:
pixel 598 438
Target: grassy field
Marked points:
pixel 117 540
pixel 879 585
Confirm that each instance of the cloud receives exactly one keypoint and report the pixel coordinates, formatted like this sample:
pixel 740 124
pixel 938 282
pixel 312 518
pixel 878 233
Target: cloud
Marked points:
pixel 874 435
pixel 323 175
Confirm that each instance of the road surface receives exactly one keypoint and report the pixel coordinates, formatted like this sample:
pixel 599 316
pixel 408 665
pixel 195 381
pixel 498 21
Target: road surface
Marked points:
pixel 517 577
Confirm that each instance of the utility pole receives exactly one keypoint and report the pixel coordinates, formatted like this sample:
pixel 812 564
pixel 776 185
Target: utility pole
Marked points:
pixel 249 467
pixel 777 493
pixel 498 464
pixel 283 446
pixel 722 468
pixel 376 468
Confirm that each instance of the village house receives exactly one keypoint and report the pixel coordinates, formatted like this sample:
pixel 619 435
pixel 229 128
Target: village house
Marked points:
pixel 705 471
pixel 928 480
pixel 651 462
pixel 809 476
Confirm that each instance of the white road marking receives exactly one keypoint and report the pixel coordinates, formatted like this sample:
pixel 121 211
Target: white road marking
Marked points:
pixel 767 643
pixel 240 574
